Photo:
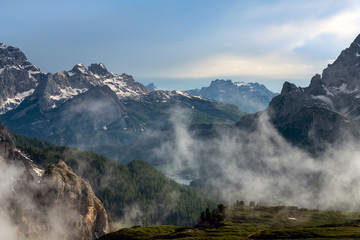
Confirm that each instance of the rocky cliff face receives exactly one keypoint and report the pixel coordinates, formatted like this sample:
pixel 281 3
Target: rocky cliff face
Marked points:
pixel 46 204
pixel 54 90
pixel 324 112
pixel 337 89
pixel 18 77
pixel 71 199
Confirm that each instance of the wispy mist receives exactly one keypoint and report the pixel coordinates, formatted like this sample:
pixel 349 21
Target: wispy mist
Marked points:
pixel 52 208
pixel 8 178
pixel 262 166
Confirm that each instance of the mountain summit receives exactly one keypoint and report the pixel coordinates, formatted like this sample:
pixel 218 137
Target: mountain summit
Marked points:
pixel 345 70
pixel 337 89
pixel 249 97
pixel 18 77
pixel 58 88
pixel 324 112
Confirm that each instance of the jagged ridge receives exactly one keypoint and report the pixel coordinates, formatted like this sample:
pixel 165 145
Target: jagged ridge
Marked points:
pixel 249 97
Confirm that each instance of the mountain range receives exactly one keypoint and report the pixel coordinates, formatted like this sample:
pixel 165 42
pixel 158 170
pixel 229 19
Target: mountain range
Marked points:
pixel 249 97
pixel 85 106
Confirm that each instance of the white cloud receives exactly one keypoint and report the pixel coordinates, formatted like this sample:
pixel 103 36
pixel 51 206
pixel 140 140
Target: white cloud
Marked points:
pixel 342 25
pixel 281 66
pixel 289 25
pixel 279 40
pixel 269 48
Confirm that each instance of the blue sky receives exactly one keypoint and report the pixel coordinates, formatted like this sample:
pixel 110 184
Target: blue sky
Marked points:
pixel 183 44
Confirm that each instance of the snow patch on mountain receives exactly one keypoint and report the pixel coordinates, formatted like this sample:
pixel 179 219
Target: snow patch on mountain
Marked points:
pixel 39 172
pixel 115 83
pixel 81 67
pixel 56 88
pixel 67 93
pixel 120 87
pixel 175 92
pixel 11 103
pixel 244 84
pixel 31 73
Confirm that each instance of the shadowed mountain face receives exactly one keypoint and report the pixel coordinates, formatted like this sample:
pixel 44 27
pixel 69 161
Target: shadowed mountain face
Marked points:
pixel 337 90
pixel 323 113
pixel 18 77
pixel 53 203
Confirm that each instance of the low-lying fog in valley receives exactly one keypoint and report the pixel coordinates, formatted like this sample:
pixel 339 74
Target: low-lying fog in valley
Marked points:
pixel 262 166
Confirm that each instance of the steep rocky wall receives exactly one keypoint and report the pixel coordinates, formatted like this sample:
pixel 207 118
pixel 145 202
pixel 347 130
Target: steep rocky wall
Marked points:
pixel 53 203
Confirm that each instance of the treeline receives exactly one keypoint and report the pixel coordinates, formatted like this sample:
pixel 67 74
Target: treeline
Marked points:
pixel 212 218
pixel 136 192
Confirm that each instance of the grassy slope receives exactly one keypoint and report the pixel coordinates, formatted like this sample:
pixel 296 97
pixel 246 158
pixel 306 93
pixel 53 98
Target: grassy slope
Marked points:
pixel 243 222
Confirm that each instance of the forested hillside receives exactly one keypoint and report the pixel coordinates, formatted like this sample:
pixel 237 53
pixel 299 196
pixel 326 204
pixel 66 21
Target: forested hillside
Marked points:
pixel 133 194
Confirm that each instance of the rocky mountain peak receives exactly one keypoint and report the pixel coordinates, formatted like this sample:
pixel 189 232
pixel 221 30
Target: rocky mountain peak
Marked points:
pixel 288 87
pixel 79 68
pixel 221 82
pixel 345 69
pixel 18 77
pixel 98 69
pixel 13 58
pixel 336 90
pixel 151 87
pixel 357 39
pixel 250 97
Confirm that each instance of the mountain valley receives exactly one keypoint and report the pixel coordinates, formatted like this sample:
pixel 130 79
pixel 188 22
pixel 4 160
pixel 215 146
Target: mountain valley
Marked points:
pixel 295 152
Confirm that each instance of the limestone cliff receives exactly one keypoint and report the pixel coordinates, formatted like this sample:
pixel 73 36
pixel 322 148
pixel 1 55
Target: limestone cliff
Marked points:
pixel 53 203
